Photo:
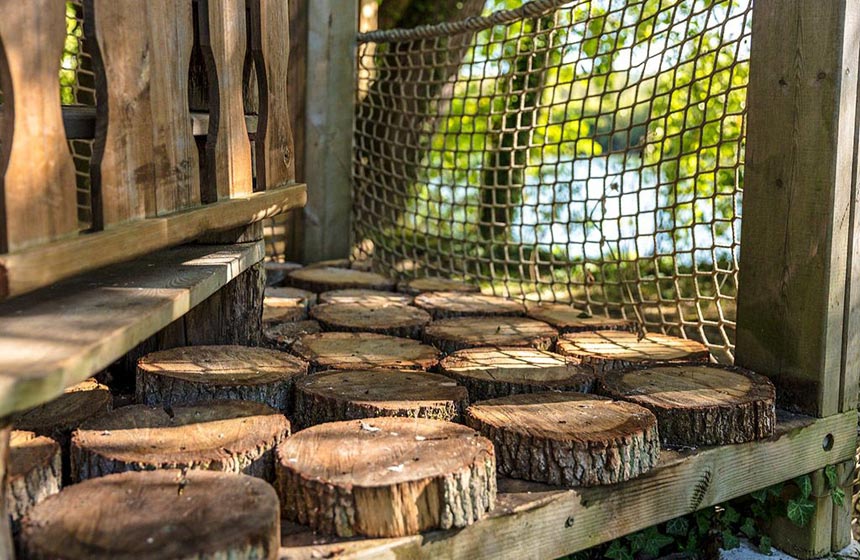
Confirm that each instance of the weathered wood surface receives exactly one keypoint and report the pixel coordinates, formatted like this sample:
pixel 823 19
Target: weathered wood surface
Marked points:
pixel 184 376
pixel 43 350
pixel 532 520
pixel 612 350
pixel 229 436
pixel 568 439
pixel 392 319
pixel 340 350
pixel 37 174
pixel 367 297
pixel 386 476
pixel 232 315
pixel 327 278
pixel 282 336
pixel 144 159
pixel 153 515
pixel 442 305
pixel 450 335
pixel 286 304
pixel 699 404
pixel 35 472
pixel 276 272
pixel 352 394
pixel 489 373
pixel 434 284
pixel 7 545
pixel 568 319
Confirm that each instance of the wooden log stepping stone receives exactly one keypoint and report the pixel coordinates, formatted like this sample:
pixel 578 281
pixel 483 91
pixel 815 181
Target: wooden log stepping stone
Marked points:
pixel 35 472
pixel 386 477
pixel 568 319
pixel 368 297
pixel 282 336
pixel 155 515
pixel 191 374
pixel 450 335
pixel 276 272
pixel 613 350
pixel 229 436
pixel 442 305
pixel 435 284
pixel 489 373
pixel 345 350
pixel 568 439
pixel 327 278
pixel 698 404
pixel 287 304
pixel 393 320
pixel 348 395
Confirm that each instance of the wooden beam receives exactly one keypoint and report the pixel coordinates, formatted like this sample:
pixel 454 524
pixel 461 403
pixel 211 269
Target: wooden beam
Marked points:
pixel 41 266
pixel 61 335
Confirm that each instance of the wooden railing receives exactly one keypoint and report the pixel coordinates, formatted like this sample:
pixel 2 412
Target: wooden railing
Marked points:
pixel 153 184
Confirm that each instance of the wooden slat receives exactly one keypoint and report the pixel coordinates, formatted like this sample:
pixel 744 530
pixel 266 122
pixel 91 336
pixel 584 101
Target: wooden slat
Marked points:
pixel 270 45
pixel 63 334
pixel 228 151
pixel 37 175
pixel 535 521
pixel 41 266
pixel 145 159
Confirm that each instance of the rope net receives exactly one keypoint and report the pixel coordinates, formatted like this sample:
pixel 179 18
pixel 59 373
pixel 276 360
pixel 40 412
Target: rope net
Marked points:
pixel 588 152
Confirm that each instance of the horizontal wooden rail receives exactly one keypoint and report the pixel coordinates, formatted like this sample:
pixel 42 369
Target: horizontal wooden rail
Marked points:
pixel 537 521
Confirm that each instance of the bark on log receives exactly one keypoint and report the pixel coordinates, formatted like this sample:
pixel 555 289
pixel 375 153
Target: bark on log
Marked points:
pixel 614 350
pixel 386 477
pixel 155 515
pixel 368 297
pixel 698 404
pixel 200 373
pixel 450 335
pixel 35 472
pixel 340 350
pixel 286 304
pixel 349 395
pixel 421 285
pixel 282 336
pixel 568 319
pixel 489 373
pixel 392 319
pixel 568 439
pixel 442 305
pixel 327 278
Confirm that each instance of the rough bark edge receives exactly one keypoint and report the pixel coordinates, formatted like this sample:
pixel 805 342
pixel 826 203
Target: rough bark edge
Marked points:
pixel 448 346
pixel 24 492
pixel 601 366
pixel 486 389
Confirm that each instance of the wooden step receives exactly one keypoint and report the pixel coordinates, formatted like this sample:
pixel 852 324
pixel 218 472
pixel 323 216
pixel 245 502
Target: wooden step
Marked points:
pixel 156 515
pixel 341 350
pixel 458 333
pixel 612 350
pixel 391 319
pixel 442 305
pixel 386 477
pixel 327 278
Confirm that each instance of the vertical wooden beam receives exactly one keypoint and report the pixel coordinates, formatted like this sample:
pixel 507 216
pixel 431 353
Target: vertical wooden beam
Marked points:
pixel 332 26
pixel 7 546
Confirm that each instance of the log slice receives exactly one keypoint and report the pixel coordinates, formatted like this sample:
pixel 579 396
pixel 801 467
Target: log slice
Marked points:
pixel 568 439
pixel 327 278
pixel 431 284
pixel 35 472
pixel 349 395
pixel 344 350
pixel 282 336
pixel 199 373
pixel 699 404
pixel 568 319
pixel 229 436
pixel 368 297
pixel 286 304
pixel 442 305
pixel 393 320
pixel 450 335
pixel 156 515
pixel 276 272
pixel 612 350
pixel 386 477
pixel 489 373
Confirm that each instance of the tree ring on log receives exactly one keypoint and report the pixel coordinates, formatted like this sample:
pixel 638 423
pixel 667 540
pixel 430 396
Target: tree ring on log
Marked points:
pixel 568 319
pixel 35 472
pixel 286 304
pixel 450 335
pixel 613 350
pixel 435 284
pixel 327 278
pixel 367 297
pixel 344 350
pixel 393 320
pixel 282 336
pixel 442 305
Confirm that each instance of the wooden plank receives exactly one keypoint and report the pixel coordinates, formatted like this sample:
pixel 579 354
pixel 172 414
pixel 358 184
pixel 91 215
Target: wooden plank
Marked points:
pixel 270 46
pixel 145 159
pixel 536 521
pixel 228 151
pixel 800 150
pixel 41 266
pixel 63 334
pixel 37 174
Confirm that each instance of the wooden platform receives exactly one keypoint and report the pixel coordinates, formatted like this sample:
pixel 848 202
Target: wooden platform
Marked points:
pixel 537 521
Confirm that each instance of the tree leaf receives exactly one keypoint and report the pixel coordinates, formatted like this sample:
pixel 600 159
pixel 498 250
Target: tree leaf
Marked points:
pixel 764 545
pixel 760 495
pixel 830 475
pixel 804 484
pixel 618 551
pixel 678 526
pixel 730 541
pixel 838 496
pixel 800 511
pixel 748 528
pixel 731 515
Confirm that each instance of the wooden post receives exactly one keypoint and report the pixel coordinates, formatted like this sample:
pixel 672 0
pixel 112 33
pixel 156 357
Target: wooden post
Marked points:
pixel 800 231
pixel 7 547
pixel 332 26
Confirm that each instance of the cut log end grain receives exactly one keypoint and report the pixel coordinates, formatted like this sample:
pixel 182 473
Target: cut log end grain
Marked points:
pixel 393 320
pixel 386 477
pixel 489 373
pixel 57 418
pixel 343 350
pixel 229 436
pixel 367 297
pixel 568 319
pixel 442 305
pixel 420 285
pixel 286 304
pixel 198 373
pixel 35 472
pixel 450 335
pixel 282 336
pixel 153 515
pixel 612 350
pixel 699 404
pixel 327 278
pixel 348 395
pixel 568 439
